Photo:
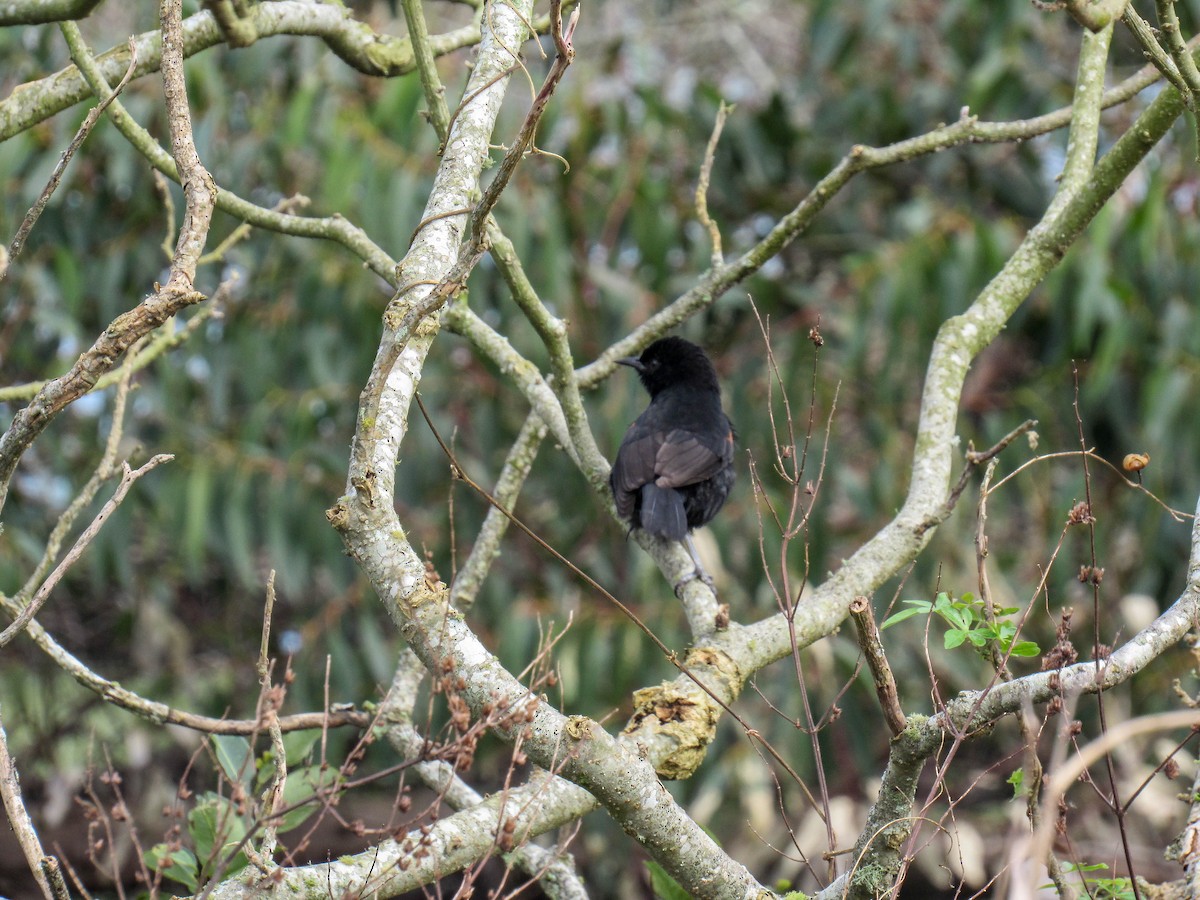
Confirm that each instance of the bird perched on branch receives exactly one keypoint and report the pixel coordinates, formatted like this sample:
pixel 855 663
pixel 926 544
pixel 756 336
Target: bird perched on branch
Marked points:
pixel 674 468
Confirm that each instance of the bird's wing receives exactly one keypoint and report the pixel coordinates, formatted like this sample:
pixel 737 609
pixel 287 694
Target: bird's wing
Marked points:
pixel 685 457
pixel 633 467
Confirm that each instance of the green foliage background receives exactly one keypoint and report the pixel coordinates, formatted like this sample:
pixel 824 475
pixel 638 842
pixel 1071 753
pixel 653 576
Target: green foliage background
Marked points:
pixel 259 406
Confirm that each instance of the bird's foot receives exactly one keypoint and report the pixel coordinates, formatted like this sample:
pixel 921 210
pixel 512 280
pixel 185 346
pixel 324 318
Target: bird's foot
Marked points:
pixel 694 575
pixel 697 571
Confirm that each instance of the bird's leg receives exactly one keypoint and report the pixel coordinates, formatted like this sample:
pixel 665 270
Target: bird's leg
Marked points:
pixel 697 572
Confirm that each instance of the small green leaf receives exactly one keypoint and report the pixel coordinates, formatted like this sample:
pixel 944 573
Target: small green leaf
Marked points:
pixel 1017 780
pixel 1026 648
pixel 302 786
pixel 956 618
pixel 954 638
pixel 178 865
pixel 233 755
pixel 215 828
pixel 298 743
pixel 902 615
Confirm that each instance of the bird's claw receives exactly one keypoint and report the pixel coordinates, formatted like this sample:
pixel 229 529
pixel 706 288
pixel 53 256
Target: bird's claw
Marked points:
pixel 695 574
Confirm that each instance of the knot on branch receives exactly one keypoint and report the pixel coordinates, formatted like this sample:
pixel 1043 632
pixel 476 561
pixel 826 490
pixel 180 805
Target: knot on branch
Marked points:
pixel 686 718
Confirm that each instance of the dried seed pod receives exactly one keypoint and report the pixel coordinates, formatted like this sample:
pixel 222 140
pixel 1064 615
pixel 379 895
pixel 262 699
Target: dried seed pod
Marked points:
pixel 1135 462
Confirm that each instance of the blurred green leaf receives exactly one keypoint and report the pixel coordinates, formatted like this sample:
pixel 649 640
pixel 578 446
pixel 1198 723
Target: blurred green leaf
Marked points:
pixel 233 755
pixel 302 787
pixel 663 885
pixel 179 865
pixel 216 830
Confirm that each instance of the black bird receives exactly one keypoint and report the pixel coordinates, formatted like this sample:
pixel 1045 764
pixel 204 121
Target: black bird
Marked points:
pixel 674 468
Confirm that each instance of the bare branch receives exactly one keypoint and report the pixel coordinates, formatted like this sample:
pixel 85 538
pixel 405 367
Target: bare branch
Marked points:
pixel 710 152
pixel 43 593
pixel 93 116
pixel 45 868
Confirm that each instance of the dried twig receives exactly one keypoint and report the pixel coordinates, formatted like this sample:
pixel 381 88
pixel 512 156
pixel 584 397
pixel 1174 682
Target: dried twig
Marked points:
pixel 710 152
pixel 270 700
pixel 881 672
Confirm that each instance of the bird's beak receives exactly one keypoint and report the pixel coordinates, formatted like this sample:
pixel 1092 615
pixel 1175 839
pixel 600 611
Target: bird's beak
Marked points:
pixel 632 361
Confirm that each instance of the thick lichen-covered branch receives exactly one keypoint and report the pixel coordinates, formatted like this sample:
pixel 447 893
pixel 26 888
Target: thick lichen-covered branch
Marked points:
pixel 366 517
pixel 41 12
pixel 959 340
pixel 354 42
pixel 890 820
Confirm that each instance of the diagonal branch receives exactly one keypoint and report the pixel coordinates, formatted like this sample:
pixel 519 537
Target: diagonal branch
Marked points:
pixel 473 249
pixel 166 301
pixel 18 242
pixel 43 593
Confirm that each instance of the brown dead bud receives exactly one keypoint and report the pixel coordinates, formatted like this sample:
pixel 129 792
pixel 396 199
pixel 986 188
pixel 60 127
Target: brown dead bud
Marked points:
pixel 1080 514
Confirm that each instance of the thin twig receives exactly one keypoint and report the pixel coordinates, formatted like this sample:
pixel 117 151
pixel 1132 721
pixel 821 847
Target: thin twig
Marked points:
pixel 270 701
pixel 973 460
pixel 163 185
pixel 710 152
pixel 1153 51
pixel 1168 26
pixel 1114 797
pixel 18 625
pixel 435 91
pixel 35 212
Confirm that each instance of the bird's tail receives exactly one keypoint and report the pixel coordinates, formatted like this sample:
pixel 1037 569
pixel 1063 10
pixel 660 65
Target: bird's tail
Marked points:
pixel 662 512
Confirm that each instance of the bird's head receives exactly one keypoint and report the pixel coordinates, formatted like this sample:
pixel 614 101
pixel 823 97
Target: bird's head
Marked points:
pixel 672 361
